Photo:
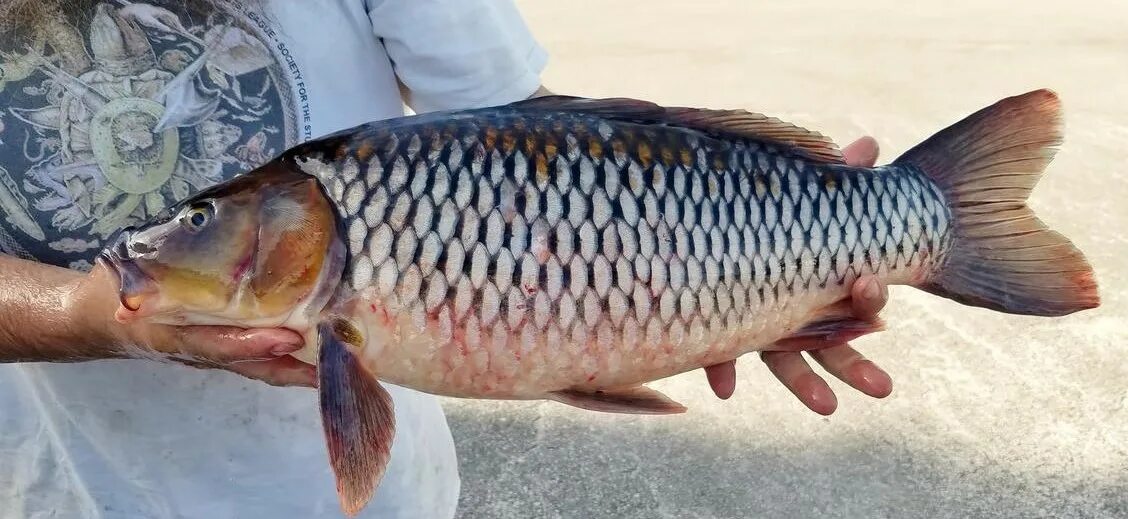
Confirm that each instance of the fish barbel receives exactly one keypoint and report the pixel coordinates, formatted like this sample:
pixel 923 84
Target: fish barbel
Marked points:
pixel 573 249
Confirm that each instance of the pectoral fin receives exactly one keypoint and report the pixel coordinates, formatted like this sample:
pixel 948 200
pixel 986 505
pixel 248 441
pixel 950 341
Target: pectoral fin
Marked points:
pixel 357 415
pixel 631 400
pixel 829 326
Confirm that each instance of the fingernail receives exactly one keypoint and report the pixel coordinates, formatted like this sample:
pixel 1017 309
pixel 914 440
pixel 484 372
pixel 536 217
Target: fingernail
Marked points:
pixel 823 402
pixel 877 382
pixel 872 290
pixel 282 350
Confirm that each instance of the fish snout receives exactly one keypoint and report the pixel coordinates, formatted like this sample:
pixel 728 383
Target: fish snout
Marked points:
pixel 134 284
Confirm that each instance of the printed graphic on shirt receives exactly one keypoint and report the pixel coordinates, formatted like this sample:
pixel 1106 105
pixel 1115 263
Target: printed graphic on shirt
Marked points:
pixel 107 121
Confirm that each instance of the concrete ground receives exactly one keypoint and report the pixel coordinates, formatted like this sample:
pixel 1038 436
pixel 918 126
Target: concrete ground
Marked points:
pixel 992 415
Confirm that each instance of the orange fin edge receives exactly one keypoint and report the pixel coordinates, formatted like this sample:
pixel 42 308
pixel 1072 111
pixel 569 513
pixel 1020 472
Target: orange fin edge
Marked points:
pixel 630 400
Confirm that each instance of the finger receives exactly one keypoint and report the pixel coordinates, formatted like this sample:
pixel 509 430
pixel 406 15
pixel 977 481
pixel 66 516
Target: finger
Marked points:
pixel 868 296
pixel 722 378
pixel 851 367
pixel 226 345
pixel 793 371
pixel 284 372
pixel 861 153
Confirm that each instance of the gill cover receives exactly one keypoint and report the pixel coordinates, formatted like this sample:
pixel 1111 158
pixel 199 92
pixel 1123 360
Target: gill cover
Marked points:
pixel 250 250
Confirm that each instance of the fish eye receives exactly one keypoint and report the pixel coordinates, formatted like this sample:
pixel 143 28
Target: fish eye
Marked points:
pixel 198 216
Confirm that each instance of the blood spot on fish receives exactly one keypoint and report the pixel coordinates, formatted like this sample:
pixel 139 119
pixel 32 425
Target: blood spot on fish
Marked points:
pixel 590 378
pixel 530 289
pixel 242 267
pixel 540 248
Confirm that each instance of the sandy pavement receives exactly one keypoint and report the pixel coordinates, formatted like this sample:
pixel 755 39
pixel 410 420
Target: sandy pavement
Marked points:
pixel 992 415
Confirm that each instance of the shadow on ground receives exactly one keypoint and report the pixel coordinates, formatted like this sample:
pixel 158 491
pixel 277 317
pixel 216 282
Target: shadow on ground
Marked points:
pixel 517 463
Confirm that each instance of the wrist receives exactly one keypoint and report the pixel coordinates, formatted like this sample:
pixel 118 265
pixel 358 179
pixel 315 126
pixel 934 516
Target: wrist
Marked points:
pixel 89 303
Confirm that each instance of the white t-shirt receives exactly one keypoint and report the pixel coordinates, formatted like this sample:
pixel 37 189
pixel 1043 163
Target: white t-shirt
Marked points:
pixel 226 91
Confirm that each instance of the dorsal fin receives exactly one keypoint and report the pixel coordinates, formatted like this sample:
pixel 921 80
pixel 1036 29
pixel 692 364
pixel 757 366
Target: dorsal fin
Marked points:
pixel 719 123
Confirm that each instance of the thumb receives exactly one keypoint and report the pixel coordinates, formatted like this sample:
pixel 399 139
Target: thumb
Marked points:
pixel 861 153
pixel 226 345
pixel 868 296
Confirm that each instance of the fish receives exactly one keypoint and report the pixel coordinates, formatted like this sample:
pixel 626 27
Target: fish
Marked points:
pixel 575 249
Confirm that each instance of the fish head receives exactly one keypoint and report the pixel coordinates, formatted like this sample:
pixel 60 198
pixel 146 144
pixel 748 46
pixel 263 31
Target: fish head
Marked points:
pixel 253 251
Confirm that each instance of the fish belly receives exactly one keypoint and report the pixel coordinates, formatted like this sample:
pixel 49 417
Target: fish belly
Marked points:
pixel 510 256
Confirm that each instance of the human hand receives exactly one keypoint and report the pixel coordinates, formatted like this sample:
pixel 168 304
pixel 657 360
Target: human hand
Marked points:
pixel 868 296
pixel 260 354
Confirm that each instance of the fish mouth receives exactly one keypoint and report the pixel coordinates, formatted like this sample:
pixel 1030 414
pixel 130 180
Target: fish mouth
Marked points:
pixel 134 285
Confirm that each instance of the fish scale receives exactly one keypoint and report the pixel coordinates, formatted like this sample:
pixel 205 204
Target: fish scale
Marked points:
pixel 654 246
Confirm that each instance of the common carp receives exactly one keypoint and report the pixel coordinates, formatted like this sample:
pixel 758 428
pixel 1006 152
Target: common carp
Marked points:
pixel 573 249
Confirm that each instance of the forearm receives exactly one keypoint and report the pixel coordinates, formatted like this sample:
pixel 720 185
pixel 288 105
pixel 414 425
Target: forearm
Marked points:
pixel 44 317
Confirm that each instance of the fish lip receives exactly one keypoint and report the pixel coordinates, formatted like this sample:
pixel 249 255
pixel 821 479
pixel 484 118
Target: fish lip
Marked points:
pixel 132 281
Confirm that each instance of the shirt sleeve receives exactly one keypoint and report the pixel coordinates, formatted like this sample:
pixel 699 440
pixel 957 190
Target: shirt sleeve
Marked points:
pixel 452 54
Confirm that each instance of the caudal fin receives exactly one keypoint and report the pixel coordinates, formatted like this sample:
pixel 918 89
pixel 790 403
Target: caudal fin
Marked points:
pixel 1003 257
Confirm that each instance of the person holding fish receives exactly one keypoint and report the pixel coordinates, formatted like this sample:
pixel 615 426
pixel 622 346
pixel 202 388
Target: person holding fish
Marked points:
pixel 116 111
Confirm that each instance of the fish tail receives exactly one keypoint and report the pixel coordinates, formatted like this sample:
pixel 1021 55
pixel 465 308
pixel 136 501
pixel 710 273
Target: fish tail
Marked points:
pixel 1002 256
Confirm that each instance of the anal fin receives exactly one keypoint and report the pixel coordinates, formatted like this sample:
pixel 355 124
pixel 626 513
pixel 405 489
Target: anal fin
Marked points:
pixel 630 400
pixel 357 416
